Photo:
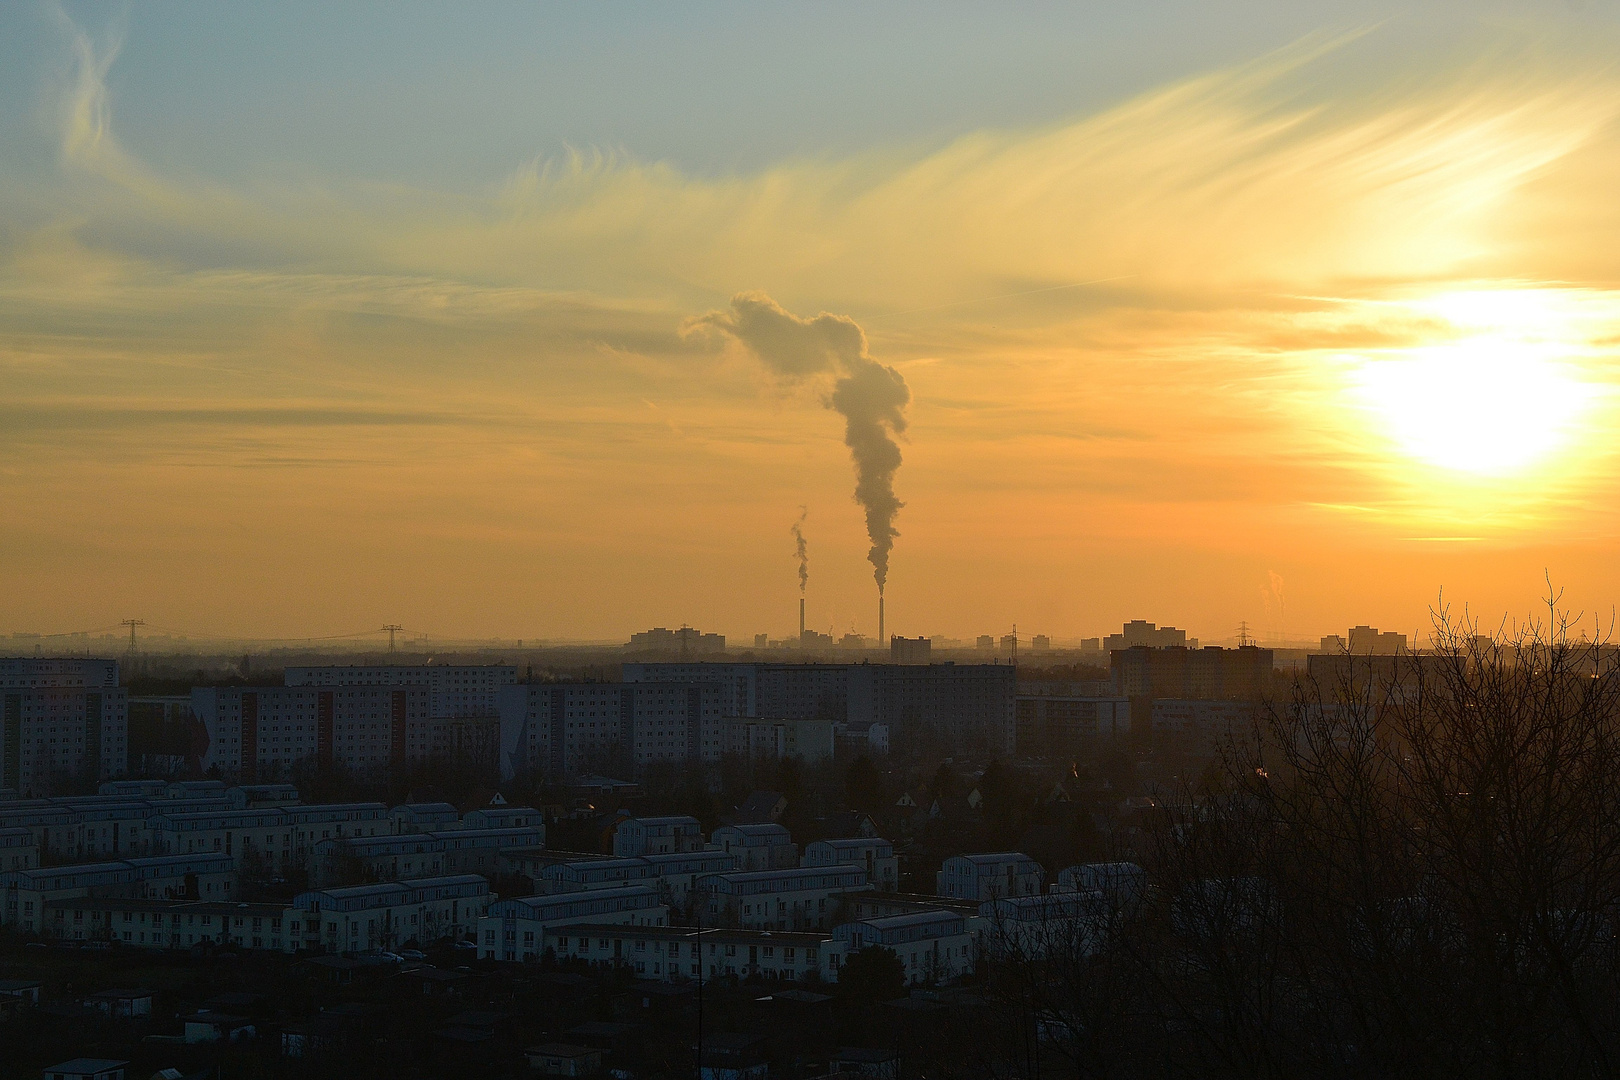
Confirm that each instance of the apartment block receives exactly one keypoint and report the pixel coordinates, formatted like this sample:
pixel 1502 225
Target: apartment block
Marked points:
pixel 515 930
pixel 365 918
pixel 805 898
pixel 989 876
pixel 873 855
pixel 64 724
pixel 559 727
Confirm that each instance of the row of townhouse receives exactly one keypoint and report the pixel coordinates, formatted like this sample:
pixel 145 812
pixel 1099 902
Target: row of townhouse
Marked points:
pixel 673 875
pixel 280 837
pixel 426 854
pixel 350 920
pixel 24 893
pixel 687 953
pixel 174 924
pixel 989 876
pixel 63 721
pixel 117 820
pixel 932 947
pixel 765 846
pixel 803 898
pixel 366 918
pixel 515 930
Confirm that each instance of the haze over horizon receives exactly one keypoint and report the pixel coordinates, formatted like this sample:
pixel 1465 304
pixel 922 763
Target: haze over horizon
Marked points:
pixel 318 318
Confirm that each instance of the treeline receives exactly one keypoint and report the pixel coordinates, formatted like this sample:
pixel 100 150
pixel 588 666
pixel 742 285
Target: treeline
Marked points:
pixel 1414 875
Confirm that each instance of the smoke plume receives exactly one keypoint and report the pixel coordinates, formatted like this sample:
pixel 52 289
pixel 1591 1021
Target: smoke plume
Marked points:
pixel 803 549
pixel 871 397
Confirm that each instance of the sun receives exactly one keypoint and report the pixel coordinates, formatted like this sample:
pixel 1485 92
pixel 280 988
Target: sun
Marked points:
pixel 1490 403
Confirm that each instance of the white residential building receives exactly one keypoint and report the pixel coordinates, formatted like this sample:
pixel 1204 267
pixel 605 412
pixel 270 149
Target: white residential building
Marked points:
pixel 934 946
pixel 1060 925
pixel 989 876
pixel 657 835
pixel 515 930
pixel 166 924
pixel 425 817
pixel 24 893
pixel 675 954
pixel 757 847
pixel 872 854
pixel 365 918
pixel 805 898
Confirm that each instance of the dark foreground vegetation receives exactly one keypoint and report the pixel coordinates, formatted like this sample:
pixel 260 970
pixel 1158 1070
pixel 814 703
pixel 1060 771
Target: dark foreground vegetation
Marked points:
pixel 1414 873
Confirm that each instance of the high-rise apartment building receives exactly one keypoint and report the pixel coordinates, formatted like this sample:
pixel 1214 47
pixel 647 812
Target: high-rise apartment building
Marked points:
pixel 64 723
pixel 563 727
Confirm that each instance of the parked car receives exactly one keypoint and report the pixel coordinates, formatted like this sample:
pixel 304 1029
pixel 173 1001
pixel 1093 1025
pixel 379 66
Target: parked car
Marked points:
pixel 413 954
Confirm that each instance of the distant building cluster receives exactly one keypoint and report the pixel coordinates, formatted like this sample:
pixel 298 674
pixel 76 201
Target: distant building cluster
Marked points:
pixel 684 641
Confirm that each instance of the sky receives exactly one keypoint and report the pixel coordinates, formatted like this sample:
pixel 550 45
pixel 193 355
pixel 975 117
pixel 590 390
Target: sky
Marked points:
pixel 552 321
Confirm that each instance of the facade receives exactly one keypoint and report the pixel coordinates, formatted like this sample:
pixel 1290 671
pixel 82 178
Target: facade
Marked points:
pixel 1053 724
pixel 89 827
pixel 366 918
pixel 910 650
pixel 557 728
pixel 805 898
pixel 453 690
pixel 1119 883
pixel 355 860
pixel 990 876
pixel 1056 925
pixel 64 723
pixel 1210 673
pixel 280 837
pixel 262 732
pixel 773 740
pixel 737 682
pixel 933 946
pixel 962 707
pixel 677 953
pixel 1204 724
pixel 670 834
pixel 170 924
pixel 18 849
pixel 479 851
pixel 425 817
pixel 757 847
pixel 515 930
pixel 872 854
pixel 24 894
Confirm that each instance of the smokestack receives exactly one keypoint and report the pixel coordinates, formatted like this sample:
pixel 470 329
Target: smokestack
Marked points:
pixel 801 618
pixel 881 639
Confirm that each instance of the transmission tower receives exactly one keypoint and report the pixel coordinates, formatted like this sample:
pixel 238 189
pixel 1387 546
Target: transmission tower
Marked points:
pixel 392 629
pixel 1244 637
pixel 132 624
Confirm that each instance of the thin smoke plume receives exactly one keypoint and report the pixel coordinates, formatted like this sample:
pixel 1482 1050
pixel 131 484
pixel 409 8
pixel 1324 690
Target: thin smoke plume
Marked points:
pixel 802 549
pixel 871 397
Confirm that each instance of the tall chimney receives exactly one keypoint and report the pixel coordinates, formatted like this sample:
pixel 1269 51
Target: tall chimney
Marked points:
pixel 882 641
pixel 801 618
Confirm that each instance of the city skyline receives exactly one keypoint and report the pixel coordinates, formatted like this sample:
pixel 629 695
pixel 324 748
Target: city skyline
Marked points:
pixel 1285 318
